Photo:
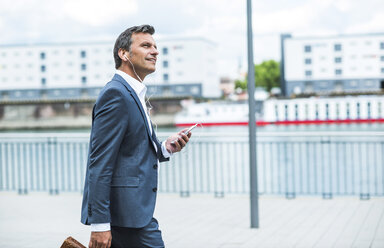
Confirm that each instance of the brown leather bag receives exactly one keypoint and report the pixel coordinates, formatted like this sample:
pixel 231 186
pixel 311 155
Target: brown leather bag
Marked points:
pixel 71 243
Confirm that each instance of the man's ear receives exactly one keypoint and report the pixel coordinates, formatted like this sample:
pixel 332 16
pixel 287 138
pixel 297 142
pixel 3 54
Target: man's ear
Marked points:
pixel 121 53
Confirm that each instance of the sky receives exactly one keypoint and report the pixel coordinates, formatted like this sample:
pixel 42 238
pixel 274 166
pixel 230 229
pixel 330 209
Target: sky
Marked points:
pixel 221 21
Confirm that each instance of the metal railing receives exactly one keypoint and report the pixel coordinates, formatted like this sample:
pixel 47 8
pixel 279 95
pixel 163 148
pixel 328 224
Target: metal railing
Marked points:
pixel 290 164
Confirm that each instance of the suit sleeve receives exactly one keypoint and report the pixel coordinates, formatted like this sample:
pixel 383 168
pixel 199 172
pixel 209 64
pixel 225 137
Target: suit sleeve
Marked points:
pixel 165 155
pixel 110 121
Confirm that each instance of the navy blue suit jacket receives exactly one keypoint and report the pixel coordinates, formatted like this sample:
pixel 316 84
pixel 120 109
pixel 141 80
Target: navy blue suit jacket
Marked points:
pixel 121 179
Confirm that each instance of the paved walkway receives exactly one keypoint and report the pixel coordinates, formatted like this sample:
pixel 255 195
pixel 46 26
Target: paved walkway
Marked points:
pixel 202 221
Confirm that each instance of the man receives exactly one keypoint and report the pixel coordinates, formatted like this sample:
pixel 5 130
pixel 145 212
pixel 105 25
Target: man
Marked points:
pixel 124 153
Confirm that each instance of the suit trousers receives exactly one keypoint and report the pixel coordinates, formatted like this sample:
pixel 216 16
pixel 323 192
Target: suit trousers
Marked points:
pixel 148 236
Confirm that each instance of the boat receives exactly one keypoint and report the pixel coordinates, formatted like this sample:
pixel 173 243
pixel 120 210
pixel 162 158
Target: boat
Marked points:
pixel 297 111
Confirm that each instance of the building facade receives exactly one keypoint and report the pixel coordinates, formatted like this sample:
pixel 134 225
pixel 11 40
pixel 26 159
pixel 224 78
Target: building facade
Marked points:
pixel 346 63
pixel 185 67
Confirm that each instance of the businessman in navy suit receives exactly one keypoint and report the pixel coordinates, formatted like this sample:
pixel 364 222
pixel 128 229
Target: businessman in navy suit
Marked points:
pixel 124 153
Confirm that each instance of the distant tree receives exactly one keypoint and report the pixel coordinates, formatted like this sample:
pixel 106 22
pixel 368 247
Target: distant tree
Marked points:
pixel 242 84
pixel 267 75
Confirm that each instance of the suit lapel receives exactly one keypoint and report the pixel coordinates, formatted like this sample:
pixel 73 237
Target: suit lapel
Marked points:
pixel 137 100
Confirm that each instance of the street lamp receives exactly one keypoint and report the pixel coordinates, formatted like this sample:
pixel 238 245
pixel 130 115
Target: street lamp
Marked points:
pixel 252 124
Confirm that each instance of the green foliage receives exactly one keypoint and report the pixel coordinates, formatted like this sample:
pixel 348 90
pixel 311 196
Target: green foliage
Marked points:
pixel 242 84
pixel 267 75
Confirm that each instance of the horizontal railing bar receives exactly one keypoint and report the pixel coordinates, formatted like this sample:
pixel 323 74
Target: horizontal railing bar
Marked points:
pixel 199 134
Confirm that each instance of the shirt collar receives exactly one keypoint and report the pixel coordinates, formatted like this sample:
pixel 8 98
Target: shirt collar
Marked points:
pixel 137 86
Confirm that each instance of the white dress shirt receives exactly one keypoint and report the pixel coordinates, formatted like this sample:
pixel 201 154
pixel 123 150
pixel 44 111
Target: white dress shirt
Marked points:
pixel 140 90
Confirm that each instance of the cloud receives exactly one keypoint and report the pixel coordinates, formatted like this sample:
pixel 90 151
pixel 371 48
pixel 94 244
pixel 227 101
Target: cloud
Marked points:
pixel 221 21
pixel 375 24
pixel 99 13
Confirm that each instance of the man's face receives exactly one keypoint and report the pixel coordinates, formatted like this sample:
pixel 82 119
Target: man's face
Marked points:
pixel 143 53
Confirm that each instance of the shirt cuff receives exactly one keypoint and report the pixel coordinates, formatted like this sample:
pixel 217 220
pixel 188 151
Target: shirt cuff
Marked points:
pixel 164 150
pixel 100 227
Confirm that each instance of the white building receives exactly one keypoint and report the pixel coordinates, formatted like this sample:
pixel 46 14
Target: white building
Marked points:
pixel 187 61
pixel 55 65
pixel 344 63
pixel 184 67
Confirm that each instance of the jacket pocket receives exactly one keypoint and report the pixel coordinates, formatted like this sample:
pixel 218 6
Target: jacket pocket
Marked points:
pixel 132 182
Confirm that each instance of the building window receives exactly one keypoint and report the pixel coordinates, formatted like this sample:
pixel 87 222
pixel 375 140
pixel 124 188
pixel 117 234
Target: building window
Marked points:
pixel 369 110
pixel 83 67
pixel 43 81
pixel 337 111
pixel 42 55
pixel 337 47
pixel 165 64
pixel 353 84
pixel 338 59
pixel 382 70
pixel 296 112
pixel 83 80
pixel 338 72
pixel 324 84
pixel 382 58
pixel 358 110
pixel 307 49
pixel 327 111
pixel 43 69
pixel 308 73
pixel 381 45
pixel 277 112
pixel 348 111
pixel 308 61
pixel 317 111
pixel 338 86
pixel 165 50
pixel 286 111
pixel 83 54
pixel 165 77
pixel 179 89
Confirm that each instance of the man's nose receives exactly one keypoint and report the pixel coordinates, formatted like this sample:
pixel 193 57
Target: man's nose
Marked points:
pixel 154 51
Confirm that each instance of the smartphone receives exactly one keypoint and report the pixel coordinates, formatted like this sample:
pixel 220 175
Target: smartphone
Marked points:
pixel 186 132
pixel 190 129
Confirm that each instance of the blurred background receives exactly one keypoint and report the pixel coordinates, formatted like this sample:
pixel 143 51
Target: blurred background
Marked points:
pixel 319 69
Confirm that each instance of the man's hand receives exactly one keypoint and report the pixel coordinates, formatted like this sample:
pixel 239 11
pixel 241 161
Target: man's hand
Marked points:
pixel 177 141
pixel 100 239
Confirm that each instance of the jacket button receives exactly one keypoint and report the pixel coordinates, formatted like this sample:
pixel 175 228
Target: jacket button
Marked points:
pixel 154 189
pixel 155 166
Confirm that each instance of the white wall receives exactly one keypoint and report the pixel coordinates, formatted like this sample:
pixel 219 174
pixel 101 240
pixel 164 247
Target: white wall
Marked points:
pixel 190 60
pixel 360 54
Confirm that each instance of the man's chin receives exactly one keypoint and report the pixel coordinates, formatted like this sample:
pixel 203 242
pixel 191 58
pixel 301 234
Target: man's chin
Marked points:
pixel 151 69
